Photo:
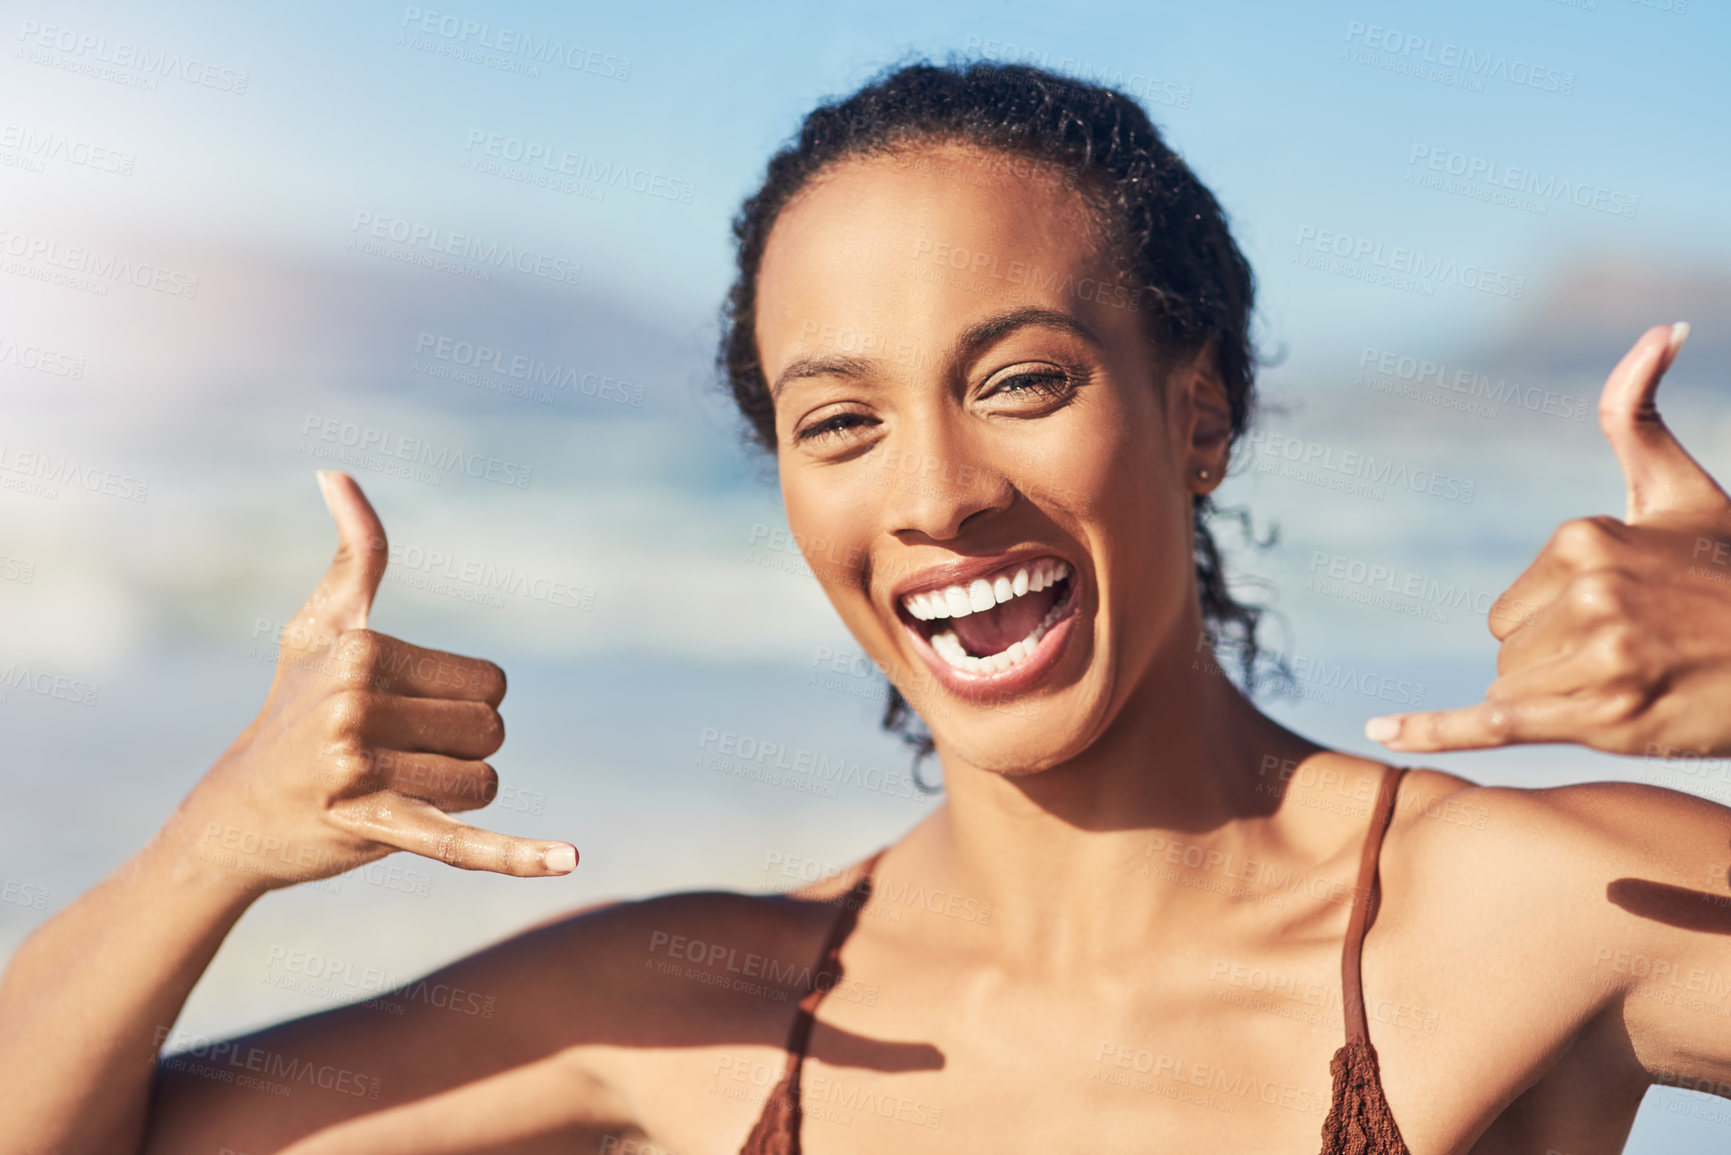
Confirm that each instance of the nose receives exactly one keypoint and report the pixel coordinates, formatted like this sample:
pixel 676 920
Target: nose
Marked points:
pixel 941 482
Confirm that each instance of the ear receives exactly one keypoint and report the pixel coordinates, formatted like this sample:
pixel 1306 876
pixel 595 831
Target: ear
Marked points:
pixel 1206 417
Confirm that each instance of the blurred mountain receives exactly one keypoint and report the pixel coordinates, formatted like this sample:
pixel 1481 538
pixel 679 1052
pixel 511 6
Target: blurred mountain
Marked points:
pixel 1595 309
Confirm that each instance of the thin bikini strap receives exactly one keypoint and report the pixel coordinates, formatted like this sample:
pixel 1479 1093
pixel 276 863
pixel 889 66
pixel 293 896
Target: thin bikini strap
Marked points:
pixel 1366 897
pixel 828 963
pixel 778 1125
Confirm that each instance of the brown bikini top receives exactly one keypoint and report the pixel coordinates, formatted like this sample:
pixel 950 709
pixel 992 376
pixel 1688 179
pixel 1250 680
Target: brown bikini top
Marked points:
pixel 1359 1121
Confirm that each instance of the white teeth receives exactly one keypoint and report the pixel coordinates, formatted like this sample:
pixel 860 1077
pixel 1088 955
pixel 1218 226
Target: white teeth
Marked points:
pixel 982 594
pixel 949 647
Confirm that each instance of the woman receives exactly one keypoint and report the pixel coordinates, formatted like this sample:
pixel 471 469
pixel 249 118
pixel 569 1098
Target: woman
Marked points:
pixel 1003 277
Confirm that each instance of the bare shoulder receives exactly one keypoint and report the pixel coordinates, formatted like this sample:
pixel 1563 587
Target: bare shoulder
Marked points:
pixel 1565 873
pixel 1590 831
pixel 1590 920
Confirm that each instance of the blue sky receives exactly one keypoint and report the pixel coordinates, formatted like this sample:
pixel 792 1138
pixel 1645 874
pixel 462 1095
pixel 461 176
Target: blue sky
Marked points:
pixel 1289 132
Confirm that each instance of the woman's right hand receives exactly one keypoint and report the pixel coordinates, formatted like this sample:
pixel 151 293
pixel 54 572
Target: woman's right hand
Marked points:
pixel 365 745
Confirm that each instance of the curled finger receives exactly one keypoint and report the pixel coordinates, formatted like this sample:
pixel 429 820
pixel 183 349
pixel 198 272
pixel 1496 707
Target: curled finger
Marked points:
pixel 456 728
pixel 451 784
pixel 381 662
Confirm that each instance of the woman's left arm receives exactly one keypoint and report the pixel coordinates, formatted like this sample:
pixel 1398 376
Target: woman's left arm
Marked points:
pixel 1618 637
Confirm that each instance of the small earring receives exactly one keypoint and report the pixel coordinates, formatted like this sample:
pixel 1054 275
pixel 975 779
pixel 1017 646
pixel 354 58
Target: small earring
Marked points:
pixel 1202 474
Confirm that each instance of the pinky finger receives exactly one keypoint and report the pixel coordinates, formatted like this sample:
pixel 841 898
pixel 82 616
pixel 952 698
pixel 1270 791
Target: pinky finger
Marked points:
pixel 422 828
pixel 1552 718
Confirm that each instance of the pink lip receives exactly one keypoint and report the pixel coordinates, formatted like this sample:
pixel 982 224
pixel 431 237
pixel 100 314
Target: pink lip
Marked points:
pixel 1019 678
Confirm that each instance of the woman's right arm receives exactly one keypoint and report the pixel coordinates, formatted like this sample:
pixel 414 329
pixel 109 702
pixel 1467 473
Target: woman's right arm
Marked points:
pixel 364 746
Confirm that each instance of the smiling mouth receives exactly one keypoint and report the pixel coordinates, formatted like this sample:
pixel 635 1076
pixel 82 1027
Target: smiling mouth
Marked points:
pixel 993 623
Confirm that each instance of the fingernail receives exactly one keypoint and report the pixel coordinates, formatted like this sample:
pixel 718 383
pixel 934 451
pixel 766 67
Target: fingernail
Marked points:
pixel 1382 729
pixel 323 476
pixel 1679 334
pixel 561 859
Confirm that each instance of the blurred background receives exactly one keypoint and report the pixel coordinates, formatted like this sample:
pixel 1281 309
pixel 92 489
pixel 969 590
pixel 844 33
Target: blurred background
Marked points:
pixel 218 234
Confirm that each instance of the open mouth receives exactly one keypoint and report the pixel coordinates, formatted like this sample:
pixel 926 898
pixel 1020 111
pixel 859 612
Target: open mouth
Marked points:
pixel 993 623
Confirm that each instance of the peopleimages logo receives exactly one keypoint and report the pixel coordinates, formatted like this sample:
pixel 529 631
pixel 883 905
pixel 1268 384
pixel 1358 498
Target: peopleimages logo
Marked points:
pixel 1376 578
pixel 1406 49
pixel 532 371
pixel 84 47
pixel 440 564
pixel 47 684
pixel 1367 259
pixel 514 42
pixel 39 466
pixel 742 753
pixel 40 146
pixel 89 262
pixel 579 166
pixel 1486 179
pixel 42 360
pixel 433 242
pixel 1312 459
pixel 231 1061
pixel 992 266
pixel 1421 373
pixel 365 439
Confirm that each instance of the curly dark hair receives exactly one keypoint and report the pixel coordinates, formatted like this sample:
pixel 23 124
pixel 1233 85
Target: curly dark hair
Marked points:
pixel 1166 231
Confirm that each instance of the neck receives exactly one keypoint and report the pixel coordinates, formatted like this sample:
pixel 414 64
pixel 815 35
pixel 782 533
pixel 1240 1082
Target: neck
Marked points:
pixel 1062 853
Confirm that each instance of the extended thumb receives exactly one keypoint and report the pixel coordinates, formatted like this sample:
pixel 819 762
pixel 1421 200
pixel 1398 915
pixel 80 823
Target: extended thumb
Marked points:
pixel 345 596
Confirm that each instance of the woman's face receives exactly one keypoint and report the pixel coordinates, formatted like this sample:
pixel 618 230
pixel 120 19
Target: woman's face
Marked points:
pixel 975 449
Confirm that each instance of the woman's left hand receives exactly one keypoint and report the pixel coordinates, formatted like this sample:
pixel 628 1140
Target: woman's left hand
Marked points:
pixel 1618 636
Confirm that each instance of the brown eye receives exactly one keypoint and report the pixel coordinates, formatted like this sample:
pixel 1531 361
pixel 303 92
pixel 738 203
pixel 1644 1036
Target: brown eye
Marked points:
pixel 1034 384
pixel 832 427
pixel 1044 385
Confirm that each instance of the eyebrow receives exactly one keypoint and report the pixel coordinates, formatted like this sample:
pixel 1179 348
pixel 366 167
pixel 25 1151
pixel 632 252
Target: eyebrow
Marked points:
pixel 994 328
pixel 830 365
pixel 985 333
